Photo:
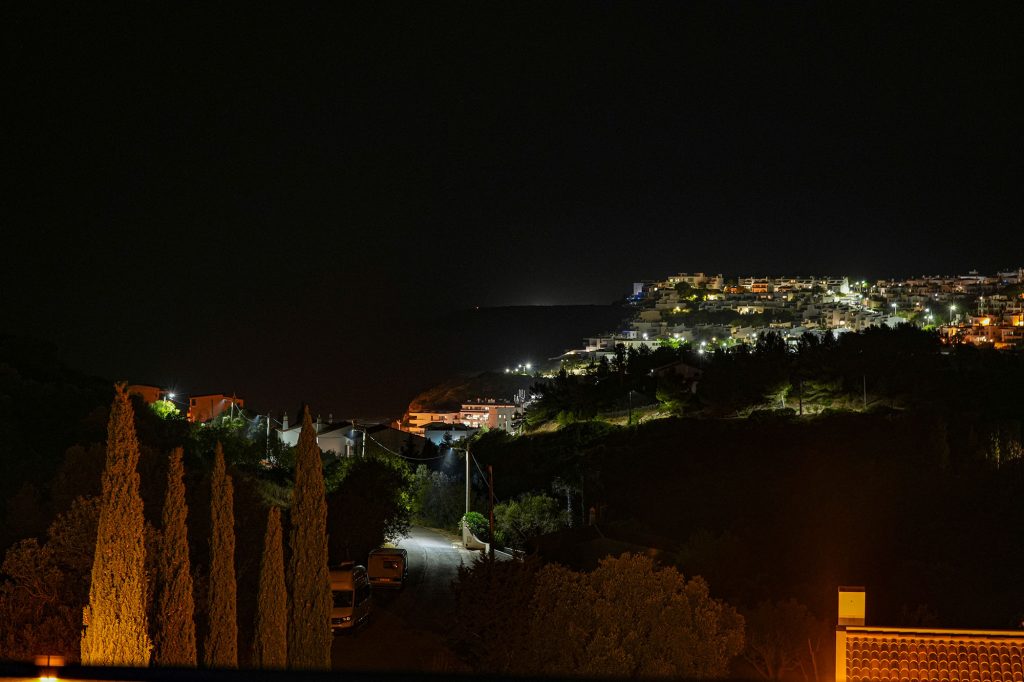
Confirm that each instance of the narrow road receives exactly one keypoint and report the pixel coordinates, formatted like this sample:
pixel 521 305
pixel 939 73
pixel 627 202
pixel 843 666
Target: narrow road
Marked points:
pixel 407 628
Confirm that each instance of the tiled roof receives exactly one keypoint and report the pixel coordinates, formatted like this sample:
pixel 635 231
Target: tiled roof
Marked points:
pixel 892 654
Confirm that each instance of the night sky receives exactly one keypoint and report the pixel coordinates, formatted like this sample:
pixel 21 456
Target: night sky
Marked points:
pixel 273 201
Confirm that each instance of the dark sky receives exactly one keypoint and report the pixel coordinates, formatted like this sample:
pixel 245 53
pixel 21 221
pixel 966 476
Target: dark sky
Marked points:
pixel 273 198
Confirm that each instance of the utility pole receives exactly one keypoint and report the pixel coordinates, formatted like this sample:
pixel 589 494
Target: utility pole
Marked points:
pixel 467 477
pixel 490 484
pixel 268 436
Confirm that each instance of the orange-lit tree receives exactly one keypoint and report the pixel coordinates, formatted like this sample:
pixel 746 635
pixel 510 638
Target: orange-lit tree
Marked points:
pixel 116 631
pixel 175 637
pixel 220 649
pixel 270 644
pixel 309 612
pixel 627 618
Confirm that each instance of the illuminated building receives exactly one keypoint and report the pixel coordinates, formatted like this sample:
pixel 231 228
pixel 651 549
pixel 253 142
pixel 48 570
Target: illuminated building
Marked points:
pixel 880 653
pixel 203 408
pixel 489 413
pixel 415 422
pixel 149 394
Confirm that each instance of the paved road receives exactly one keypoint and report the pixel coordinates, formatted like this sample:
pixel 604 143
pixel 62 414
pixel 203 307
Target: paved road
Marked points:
pixel 406 631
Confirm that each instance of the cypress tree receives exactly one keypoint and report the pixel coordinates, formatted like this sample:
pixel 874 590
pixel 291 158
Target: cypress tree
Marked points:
pixel 220 650
pixel 116 630
pixel 270 644
pixel 175 637
pixel 309 613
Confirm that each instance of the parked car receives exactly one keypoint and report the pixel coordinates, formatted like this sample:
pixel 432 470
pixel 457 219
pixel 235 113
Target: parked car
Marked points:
pixel 388 567
pixel 350 589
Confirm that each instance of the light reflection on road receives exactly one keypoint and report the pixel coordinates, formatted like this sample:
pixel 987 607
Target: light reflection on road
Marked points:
pixel 406 631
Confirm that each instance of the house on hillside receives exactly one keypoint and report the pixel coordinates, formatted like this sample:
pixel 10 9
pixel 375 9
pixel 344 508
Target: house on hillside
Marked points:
pixel 149 394
pixel 208 406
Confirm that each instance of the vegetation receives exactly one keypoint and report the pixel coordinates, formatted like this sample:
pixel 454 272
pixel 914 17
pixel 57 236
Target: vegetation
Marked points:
pixel 220 650
pixel 783 638
pixel 902 368
pixel 270 643
pixel 47 586
pixel 175 628
pixel 165 409
pixel 526 517
pixel 371 505
pixel 627 618
pixel 116 630
pixel 51 510
pixel 309 613
pixel 478 524
pixel 439 498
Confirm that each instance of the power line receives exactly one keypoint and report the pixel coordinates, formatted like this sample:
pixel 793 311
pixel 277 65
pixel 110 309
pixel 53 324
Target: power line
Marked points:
pixel 399 454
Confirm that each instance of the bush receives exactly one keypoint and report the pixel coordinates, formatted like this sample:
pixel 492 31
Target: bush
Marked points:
pixel 516 522
pixel 478 525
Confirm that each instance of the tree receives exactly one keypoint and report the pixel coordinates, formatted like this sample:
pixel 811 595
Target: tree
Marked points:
pixel 627 618
pixel 175 637
pixel 270 643
pixel 116 630
pixel 47 586
pixel 782 637
pixel 519 520
pixel 220 650
pixel 165 409
pixel 370 506
pixel 492 601
pixel 309 613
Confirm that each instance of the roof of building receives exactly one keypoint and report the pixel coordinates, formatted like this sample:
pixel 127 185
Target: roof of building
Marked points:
pixel 445 426
pixel 926 654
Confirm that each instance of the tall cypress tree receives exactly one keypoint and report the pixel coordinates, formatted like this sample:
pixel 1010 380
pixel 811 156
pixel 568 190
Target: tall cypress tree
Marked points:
pixel 270 644
pixel 309 613
pixel 116 631
pixel 220 650
pixel 175 637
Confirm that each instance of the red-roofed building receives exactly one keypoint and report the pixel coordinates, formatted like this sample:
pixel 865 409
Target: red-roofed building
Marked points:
pixel 921 654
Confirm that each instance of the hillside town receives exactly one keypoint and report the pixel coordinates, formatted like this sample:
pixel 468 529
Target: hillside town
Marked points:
pixel 704 311
pixel 710 311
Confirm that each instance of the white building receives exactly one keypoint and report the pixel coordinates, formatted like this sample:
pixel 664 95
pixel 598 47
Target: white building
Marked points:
pixel 489 413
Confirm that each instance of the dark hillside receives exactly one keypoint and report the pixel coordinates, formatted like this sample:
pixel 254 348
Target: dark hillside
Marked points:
pixel 911 505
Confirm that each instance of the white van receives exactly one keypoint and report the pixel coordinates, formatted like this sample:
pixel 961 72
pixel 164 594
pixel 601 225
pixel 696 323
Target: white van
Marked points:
pixel 388 567
pixel 350 589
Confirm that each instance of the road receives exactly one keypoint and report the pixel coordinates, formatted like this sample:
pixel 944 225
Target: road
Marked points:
pixel 406 630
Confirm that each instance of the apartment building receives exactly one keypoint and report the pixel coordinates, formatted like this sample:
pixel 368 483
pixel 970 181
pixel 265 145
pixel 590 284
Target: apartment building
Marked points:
pixel 490 413
pixel 415 422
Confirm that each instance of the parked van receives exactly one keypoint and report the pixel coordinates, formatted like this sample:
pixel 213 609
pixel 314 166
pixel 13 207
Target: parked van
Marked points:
pixel 350 589
pixel 388 567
